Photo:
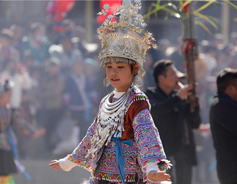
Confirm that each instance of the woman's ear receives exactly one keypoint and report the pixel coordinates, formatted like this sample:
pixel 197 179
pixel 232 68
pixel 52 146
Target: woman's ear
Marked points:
pixel 136 69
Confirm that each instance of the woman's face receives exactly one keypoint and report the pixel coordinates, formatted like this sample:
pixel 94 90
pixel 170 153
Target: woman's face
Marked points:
pixel 120 75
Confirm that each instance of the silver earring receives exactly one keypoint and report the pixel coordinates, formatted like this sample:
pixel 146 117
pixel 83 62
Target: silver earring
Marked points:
pixel 137 81
pixel 106 82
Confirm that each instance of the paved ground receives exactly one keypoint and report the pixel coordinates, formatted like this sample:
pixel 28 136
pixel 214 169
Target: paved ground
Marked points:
pixel 41 173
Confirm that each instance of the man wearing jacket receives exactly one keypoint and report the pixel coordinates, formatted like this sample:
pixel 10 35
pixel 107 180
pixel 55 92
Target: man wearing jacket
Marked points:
pixel 223 120
pixel 172 116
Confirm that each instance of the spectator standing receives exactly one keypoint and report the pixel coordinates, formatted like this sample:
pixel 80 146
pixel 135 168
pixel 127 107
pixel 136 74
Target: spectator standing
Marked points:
pixel 7 51
pixel 66 53
pixel 81 43
pixel 50 96
pixel 223 118
pixel 171 113
pixel 17 38
pixel 75 96
pixel 37 43
pixel 68 28
pixel 21 79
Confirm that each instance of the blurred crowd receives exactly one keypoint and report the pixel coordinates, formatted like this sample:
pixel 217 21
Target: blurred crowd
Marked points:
pixel 58 83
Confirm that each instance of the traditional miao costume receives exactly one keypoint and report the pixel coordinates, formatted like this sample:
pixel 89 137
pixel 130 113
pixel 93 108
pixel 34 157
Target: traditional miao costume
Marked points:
pixel 122 145
pixel 8 153
pixel 7 165
pixel 7 160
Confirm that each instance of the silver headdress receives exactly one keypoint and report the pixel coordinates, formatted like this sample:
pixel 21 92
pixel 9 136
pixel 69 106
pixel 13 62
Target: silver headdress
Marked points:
pixel 123 41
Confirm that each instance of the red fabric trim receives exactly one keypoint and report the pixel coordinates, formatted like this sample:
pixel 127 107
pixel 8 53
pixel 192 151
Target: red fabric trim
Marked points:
pixel 133 110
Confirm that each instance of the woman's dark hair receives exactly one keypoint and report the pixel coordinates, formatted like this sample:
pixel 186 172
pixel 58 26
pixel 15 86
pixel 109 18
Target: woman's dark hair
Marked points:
pixel 132 65
pixel 225 78
pixel 160 67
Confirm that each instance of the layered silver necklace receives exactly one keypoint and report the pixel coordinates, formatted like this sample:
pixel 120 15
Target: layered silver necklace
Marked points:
pixel 110 122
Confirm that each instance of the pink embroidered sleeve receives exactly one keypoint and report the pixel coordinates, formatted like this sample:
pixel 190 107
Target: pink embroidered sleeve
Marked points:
pixel 150 148
pixel 78 156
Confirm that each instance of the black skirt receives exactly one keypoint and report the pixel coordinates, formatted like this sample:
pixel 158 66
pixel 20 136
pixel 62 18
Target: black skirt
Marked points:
pixel 7 164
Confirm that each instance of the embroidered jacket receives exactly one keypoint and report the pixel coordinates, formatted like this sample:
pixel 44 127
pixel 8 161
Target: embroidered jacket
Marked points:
pixel 147 147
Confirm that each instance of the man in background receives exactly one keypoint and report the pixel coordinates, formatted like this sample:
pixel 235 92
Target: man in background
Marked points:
pixel 223 120
pixel 171 113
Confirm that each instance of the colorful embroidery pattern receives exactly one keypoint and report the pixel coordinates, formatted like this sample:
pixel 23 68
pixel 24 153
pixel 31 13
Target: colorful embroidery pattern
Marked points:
pixel 79 154
pixel 135 95
pixel 148 141
pixel 115 177
pixel 147 148
pixel 108 163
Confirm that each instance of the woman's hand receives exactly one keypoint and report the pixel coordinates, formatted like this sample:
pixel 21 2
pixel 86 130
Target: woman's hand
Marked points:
pixel 54 164
pixel 155 176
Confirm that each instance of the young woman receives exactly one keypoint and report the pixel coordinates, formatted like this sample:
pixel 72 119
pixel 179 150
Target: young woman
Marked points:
pixel 122 145
pixel 99 155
